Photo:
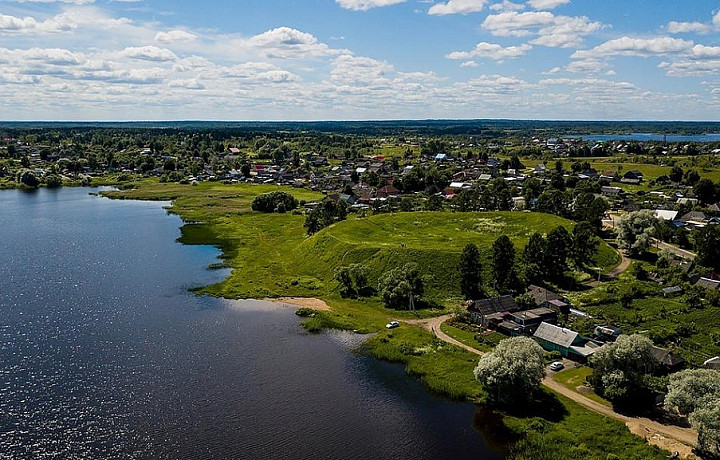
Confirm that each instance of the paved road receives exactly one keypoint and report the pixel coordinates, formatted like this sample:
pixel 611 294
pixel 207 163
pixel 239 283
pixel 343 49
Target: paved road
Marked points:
pixel 684 435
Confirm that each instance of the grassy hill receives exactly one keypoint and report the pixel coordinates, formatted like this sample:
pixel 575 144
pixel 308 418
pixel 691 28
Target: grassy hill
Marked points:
pixel 433 240
pixel 271 255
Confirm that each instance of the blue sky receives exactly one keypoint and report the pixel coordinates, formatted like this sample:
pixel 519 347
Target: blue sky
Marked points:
pixel 359 59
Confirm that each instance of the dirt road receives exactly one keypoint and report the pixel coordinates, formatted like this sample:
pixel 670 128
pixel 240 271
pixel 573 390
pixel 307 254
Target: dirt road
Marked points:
pixel 654 432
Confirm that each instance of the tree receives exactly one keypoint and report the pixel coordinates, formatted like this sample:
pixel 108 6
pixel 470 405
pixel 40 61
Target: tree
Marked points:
pixel 277 201
pixel 532 187
pixel 704 190
pixel 513 371
pixel 497 196
pixel 28 178
pixel 327 213
pixel 620 369
pixel 53 181
pixel 691 389
pixel 401 284
pixel 707 245
pixel 559 245
pixel 676 174
pixel 635 230
pixel 503 262
pixel 584 244
pixel 434 203
pixel 706 420
pixel 470 272
pixel 534 258
pixel 353 280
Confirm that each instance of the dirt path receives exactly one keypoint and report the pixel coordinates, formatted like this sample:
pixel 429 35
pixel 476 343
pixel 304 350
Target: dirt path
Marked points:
pixel 675 250
pixel 668 437
pixel 614 273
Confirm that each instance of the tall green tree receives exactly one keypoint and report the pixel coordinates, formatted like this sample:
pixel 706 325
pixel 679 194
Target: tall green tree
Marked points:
pixel 704 190
pixel 584 244
pixel 470 272
pixel 534 258
pixel 707 245
pixel 503 262
pixel 559 245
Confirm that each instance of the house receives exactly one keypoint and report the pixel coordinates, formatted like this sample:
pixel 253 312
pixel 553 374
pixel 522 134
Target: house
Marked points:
pixel 612 192
pixel 234 150
pixel 669 362
pixel 481 311
pixel 662 214
pixel 546 298
pixel 607 333
pixel 712 363
pixel 672 291
pixel 708 283
pixel 387 192
pixel 608 175
pixel 531 319
pixel 569 343
pixel 634 175
pixel 441 157
pixel 510 328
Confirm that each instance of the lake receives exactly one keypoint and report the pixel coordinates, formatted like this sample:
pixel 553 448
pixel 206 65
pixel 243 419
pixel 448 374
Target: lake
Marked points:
pixel 646 137
pixel 105 354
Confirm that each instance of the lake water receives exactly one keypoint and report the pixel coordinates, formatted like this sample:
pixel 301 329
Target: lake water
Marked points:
pixel 646 137
pixel 104 354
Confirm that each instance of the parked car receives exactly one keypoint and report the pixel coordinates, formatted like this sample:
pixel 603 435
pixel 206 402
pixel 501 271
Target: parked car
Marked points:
pixel 557 366
pixel 392 324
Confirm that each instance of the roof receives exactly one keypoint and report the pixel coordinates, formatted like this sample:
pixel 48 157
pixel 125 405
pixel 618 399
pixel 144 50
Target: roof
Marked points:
pixel 666 215
pixel 554 334
pixel 694 216
pixel 493 305
pixel 707 283
pixel 542 311
pixel 585 350
pixel 672 290
pixel 667 357
pixel 541 295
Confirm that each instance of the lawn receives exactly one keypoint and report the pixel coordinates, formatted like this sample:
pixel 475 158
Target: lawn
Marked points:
pixel 575 377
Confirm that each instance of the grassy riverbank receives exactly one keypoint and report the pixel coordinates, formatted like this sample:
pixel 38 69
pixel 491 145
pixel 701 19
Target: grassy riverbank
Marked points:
pixel 271 256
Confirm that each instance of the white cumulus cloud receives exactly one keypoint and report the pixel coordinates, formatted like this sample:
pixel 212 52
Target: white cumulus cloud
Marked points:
pixel 457 7
pixel 149 53
pixel 364 5
pixel 551 30
pixel 491 51
pixel 174 36
pixel 547 4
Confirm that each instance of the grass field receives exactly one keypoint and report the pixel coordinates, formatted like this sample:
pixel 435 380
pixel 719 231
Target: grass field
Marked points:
pixel 575 377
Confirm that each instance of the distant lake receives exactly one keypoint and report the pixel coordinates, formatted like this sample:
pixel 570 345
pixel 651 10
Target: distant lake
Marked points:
pixel 645 137
pixel 104 354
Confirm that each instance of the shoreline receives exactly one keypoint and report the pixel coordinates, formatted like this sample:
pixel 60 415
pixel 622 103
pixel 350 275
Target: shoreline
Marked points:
pixel 308 302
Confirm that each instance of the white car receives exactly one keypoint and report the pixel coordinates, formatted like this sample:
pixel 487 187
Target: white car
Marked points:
pixel 557 366
pixel 392 324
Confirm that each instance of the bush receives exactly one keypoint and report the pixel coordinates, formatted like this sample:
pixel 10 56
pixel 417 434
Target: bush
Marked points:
pixel 278 201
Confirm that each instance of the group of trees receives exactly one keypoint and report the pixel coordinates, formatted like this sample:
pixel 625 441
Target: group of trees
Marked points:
pixel 326 213
pixel 548 258
pixel 544 259
pixel 353 281
pixel 277 201
pixel 402 287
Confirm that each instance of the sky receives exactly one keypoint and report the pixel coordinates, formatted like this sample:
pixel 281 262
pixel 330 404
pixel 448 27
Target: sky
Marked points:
pixel 359 59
